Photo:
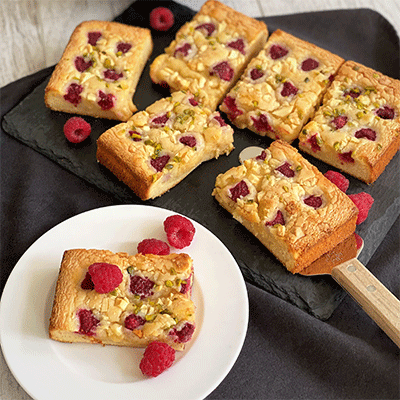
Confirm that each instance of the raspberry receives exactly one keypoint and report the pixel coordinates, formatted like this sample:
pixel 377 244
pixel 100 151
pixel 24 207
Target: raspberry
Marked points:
pixel 105 277
pixel 289 89
pixel 188 141
pixel 141 286
pixel 359 241
pixel 186 285
pixel 160 120
pixel 112 75
pixel 160 162
pixel 193 102
pixel 286 170
pixel 73 94
pixel 230 103
pixel 313 201
pixel 153 246
pixel 106 101
pixel 207 28
pixel 239 190
pixel 364 202
pixel 161 19
pixel 256 73
pixel 353 93
pixel 338 179
pixel 81 65
pixel 314 143
pixel 340 121
pixel 237 45
pixel 223 70
pixel 261 124
pixel 76 130
pixel 184 334
pixel 136 136
pixel 87 322
pixel 180 231
pixel 220 120
pixel 157 358
pixel 309 64
pixel 346 157
pixel 183 50
pixel 385 112
pixel 279 219
pixel 277 51
pixel 262 156
pixel 133 321
pixel 93 37
pixel 366 133
pixel 123 47
pixel 87 283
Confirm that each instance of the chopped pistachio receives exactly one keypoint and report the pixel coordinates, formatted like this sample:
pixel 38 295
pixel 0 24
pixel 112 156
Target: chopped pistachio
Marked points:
pixel 169 283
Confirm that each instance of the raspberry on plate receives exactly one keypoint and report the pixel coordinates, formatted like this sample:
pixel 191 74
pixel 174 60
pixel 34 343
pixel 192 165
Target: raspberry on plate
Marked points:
pixel 180 231
pixel 161 19
pixel 76 130
pixel 338 179
pixel 153 246
pixel 157 358
pixel 364 202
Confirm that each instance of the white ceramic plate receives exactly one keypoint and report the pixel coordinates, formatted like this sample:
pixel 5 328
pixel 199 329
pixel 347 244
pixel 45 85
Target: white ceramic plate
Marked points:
pixel 47 369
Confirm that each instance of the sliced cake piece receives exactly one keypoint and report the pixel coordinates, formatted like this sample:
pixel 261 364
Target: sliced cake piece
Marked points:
pixel 209 53
pixel 289 205
pixel 118 299
pixel 99 70
pixel 281 87
pixel 357 128
pixel 158 147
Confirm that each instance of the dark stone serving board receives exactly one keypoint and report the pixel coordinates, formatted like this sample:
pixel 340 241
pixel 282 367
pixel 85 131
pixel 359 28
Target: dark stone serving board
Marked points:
pixel 361 35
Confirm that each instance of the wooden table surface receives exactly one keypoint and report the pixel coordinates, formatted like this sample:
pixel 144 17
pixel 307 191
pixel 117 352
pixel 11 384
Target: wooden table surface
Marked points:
pixel 34 34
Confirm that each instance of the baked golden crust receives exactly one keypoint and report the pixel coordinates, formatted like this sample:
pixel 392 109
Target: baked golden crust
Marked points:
pixel 356 103
pixel 98 75
pixel 202 44
pixel 275 96
pixel 152 157
pixel 288 205
pixel 167 308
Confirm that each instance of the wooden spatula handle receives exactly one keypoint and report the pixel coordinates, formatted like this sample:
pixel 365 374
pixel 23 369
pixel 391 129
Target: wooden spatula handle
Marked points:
pixel 376 300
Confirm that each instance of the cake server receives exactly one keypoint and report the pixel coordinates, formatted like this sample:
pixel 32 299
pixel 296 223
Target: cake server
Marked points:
pixel 376 300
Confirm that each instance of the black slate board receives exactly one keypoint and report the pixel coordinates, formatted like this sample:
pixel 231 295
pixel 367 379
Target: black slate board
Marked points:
pixel 361 35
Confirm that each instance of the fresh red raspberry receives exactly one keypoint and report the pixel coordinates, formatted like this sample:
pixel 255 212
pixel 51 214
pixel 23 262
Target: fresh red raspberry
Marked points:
pixel 364 202
pixel 123 47
pixel 340 121
pixel 239 190
pixel 188 140
pixel 366 133
pixel 262 124
pixel 180 231
pixel 285 169
pixel 93 37
pixel 87 283
pixel 153 246
pixel 230 103
pixel 207 28
pixel 276 51
pixel 161 19
pixel 279 219
pixel 160 162
pixel 87 322
pixel 76 130
pixel 184 334
pixel 133 321
pixel 157 358
pixel 289 89
pixel 338 179
pixel 73 94
pixel 105 277
pixel 141 286
pixel 223 70
pixel 309 64
pixel 313 201
pixel 81 65
pixel 237 45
